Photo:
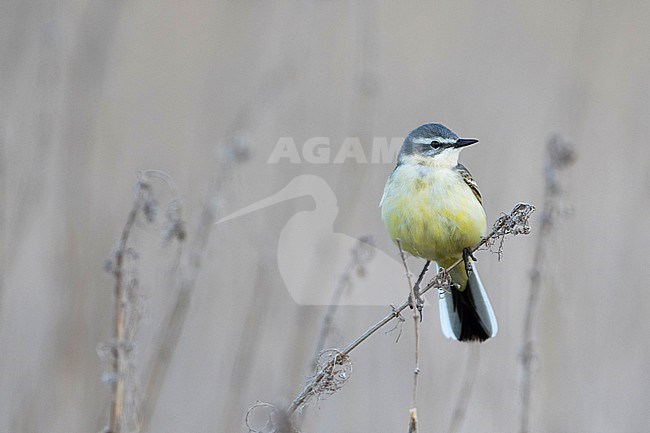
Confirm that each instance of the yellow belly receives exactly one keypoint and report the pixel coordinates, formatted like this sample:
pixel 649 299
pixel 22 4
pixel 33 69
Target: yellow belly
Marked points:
pixel 433 212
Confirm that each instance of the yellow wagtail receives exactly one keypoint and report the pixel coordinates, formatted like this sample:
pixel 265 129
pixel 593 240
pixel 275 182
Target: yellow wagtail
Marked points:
pixel 433 206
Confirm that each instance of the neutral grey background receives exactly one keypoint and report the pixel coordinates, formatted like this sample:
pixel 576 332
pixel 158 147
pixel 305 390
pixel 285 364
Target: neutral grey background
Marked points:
pixel 93 91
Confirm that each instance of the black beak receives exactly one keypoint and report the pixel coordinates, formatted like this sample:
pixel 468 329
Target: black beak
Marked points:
pixel 462 142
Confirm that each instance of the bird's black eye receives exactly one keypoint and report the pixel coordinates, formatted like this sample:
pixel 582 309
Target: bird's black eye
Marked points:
pixel 435 144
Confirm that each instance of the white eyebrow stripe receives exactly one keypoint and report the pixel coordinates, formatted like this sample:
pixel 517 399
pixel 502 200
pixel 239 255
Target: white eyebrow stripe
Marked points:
pixel 424 140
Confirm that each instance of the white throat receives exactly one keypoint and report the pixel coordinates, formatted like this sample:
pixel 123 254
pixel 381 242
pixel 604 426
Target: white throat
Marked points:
pixel 448 158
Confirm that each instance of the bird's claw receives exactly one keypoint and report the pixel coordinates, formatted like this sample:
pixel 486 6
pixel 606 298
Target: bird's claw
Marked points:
pixel 419 300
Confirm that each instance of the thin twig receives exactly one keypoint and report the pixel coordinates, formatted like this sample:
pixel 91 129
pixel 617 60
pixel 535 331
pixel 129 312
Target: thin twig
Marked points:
pixel 413 417
pixel 117 404
pixel 514 223
pixel 123 414
pixel 117 387
pixel 560 155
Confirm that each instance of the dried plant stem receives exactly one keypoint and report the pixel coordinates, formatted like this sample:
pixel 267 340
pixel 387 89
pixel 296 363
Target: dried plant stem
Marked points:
pixel 119 330
pixel 306 392
pixel 507 224
pixel 123 414
pixel 560 154
pixel 413 417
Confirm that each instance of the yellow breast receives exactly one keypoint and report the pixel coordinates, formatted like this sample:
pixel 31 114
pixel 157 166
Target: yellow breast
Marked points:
pixel 432 211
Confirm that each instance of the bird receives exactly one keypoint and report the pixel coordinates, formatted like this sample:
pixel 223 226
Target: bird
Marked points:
pixel 433 209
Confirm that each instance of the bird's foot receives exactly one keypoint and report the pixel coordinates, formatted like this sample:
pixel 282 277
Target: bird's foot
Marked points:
pixel 419 300
pixel 467 255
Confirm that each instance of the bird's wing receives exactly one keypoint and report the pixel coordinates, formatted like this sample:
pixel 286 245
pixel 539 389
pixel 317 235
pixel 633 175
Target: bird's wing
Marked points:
pixel 469 180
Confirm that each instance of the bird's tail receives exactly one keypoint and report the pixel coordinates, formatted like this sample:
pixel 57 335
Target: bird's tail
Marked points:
pixel 466 314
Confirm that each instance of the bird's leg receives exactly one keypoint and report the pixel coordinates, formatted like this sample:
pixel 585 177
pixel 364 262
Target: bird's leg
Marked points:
pixel 419 301
pixel 467 254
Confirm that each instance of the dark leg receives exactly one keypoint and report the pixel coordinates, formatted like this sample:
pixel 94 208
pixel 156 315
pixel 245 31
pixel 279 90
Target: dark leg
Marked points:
pixel 424 271
pixel 467 254
pixel 419 302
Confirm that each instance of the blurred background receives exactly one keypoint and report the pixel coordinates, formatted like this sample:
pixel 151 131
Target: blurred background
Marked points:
pixel 93 92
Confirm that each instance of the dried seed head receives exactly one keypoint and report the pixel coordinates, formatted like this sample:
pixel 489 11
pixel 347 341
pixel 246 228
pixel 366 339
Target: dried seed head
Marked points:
pixel 150 210
pixel 335 368
pixel 515 223
pixel 441 281
pixel 266 418
pixel 175 225
pixel 148 200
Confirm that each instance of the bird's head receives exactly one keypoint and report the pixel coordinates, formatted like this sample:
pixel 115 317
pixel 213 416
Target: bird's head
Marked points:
pixel 433 144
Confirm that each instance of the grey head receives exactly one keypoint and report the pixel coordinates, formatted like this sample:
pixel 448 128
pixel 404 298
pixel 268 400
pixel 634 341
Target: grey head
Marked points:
pixel 431 140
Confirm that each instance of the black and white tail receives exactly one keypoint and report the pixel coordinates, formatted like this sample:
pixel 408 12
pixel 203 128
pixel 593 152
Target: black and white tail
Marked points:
pixel 467 315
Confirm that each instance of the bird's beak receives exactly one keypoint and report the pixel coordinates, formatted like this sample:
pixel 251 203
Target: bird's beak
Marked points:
pixel 462 142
